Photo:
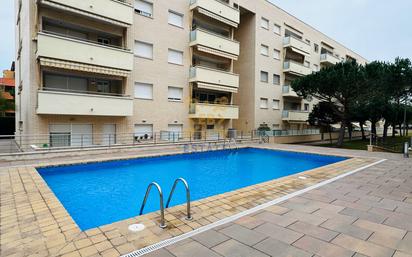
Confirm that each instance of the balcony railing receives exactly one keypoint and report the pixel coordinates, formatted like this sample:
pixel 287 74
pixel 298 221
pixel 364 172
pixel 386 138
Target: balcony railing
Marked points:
pixel 217 10
pixel 70 103
pixel 297 45
pixel 287 91
pixel 216 78
pixel 296 68
pixel 80 51
pixel 213 111
pixel 120 12
pixel 295 116
pixel 210 42
pixel 329 59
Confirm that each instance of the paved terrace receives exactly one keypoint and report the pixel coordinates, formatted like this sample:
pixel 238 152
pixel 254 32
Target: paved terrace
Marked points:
pixel 368 213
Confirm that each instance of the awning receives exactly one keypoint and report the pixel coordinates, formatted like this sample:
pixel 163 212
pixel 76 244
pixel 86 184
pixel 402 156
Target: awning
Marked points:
pixel 294 49
pixel 217 87
pixel 217 17
pixel 84 13
pixel 82 67
pixel 216 52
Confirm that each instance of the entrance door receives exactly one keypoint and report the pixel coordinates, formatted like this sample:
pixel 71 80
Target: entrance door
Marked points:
pixel 143 131
pixel 176 131
pixel 109 134
pixel 82 135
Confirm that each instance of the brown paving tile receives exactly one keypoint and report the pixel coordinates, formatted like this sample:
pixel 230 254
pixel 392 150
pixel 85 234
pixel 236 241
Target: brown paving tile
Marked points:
pixel 321 248
pixel 366 248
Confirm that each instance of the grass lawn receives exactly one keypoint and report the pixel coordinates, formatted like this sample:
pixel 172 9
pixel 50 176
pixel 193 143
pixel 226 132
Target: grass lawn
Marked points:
pixel 363 145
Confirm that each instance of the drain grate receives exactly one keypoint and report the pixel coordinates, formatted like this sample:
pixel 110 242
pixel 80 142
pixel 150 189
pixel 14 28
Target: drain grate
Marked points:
pixel 167 242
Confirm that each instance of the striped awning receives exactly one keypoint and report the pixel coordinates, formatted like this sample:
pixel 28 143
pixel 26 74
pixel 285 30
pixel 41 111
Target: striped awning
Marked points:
pixel 82 67
pixel 84 13
pixel 217 87
pixel 216 52
pixel 217 17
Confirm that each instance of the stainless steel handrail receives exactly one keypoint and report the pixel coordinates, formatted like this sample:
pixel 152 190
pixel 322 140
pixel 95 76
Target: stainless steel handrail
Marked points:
pixel 189 216
pixel 162 209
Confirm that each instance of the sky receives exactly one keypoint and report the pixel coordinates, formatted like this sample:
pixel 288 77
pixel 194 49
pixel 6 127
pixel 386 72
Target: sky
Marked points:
pixel 375 29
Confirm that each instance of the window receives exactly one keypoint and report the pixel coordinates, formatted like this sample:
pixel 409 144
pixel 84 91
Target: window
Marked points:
pixel 263 103
pixel 307 64
pixel 144 50
pixel 316 48
pixel 264 50
pixel 143 90
pixel 306 107
pixel 264 76
pixel 315 67
pixel 103 41
pixel 175 94
pixel 143 131
pixel 276 79
pixel 175 19
pixel 174 132
pixel 277 29
pixel 175 57
pixel 143 8
pixel 307 41
pixel 275 104
pixel 264 23
pixel 276 54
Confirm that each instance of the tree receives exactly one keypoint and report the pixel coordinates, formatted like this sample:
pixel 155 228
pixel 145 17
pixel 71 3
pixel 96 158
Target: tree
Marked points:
pixel 324 114
pixel 339 85
pixel 5 104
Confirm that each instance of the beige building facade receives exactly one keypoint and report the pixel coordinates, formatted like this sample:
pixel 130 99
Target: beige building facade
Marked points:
pixel 137 67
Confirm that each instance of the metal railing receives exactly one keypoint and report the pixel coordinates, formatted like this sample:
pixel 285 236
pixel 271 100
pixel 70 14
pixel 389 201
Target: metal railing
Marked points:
pixel 68 141
pixel 162 208
pixel 51 89
pixel 188 214
pixel 292 132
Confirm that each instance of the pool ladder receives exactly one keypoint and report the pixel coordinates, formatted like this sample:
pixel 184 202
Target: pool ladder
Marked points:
pixel 162 208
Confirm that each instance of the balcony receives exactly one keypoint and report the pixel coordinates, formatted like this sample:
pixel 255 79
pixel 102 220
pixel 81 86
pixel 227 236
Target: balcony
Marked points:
pixel 214 79
pixel 85 52
pixel 295 68
pixel 213 111
pixel 68 103
pixel 211 43
pixel 293 116
pixel 328 59
pixel 297 45
pixel 111 11
pixel 217 10
pixel 287 91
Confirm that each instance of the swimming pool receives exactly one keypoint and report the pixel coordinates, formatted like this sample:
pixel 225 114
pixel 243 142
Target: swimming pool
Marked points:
pixel 96 194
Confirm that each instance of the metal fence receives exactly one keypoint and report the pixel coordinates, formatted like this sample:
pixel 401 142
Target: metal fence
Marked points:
pixel 292 132
pixel 56 141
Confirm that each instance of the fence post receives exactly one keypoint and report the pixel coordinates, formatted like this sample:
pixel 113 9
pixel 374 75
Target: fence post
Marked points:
pixel 81 140
pixel 406 150
pixel 110 140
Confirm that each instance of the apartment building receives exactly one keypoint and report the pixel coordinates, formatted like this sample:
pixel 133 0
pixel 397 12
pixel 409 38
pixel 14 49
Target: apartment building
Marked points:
pixel 112 67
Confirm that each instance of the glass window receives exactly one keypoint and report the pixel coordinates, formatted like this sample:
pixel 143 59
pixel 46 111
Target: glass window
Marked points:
pixel 316 48
pixel 276 54
pixel 264 76
pixel 306 107
pixel 277 29
pixel 276 104
pixel 175 57
pixel 143 90
pixel 175 19
pixel 143 49
pixel 263 103
pixel 264 50
pixel 175 93
pixel 264 23
pixel 144 8
pixel 276 79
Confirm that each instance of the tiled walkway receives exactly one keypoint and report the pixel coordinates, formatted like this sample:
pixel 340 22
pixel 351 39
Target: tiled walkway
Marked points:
pixel 365 214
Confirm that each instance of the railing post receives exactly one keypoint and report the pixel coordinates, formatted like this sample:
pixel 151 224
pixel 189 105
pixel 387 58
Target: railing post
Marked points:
pixel 154 137
pixel 110 140
pixel 406 150
pixel 81 140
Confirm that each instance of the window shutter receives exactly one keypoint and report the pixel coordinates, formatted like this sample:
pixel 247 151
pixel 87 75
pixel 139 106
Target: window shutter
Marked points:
pixel 175 19
pixel 143 49
pixel 143 7
pixel 175 93
pixel 175 57
pixel 143 90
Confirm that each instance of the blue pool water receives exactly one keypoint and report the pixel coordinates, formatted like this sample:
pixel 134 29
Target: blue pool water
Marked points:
pixel 102 193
